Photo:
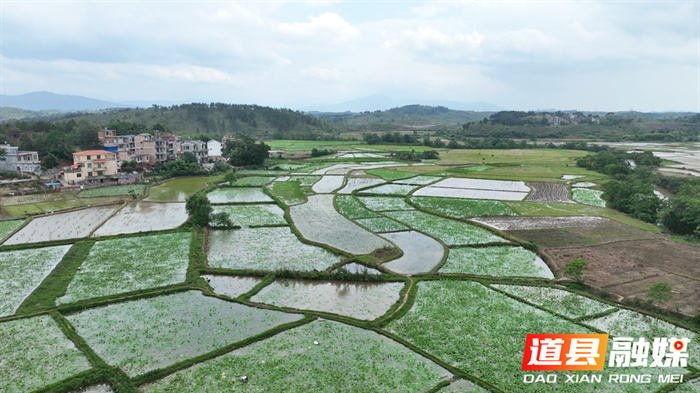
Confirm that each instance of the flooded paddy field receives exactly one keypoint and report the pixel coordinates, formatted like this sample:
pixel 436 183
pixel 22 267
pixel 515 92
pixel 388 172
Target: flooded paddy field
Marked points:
pixel 557 300
pixel 495 261
pixel 21 271
pixel 144 335
pixel 314 217
pixel 231 286
pixel 357 300
pixel 355 183
pixel 254 215
pixel 208 307
pixel 389 189
pixel 130 264
pixel 421 253
pixel 142 216
pixel 62 226
pixel 273 248
pixel 450 232
pixel 35 353
pixel 319 356
pixel 238 195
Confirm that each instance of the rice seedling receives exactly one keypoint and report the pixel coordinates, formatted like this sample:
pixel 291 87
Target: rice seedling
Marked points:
pixel 34 353
pixel 144 335
pixel 451 232
pixel 321 356
pixel 494 261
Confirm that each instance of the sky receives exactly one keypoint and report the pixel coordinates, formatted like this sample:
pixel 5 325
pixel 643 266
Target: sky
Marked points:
pixel 519 55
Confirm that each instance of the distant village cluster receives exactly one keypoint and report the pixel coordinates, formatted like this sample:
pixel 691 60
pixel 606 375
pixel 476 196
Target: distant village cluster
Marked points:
pixel 103 166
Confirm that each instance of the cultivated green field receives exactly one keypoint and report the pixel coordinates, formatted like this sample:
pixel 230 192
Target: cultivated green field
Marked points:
pixel 322 292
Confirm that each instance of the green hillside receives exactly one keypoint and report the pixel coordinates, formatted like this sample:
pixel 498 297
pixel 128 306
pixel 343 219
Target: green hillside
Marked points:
pixel 412 116
pixel 217 119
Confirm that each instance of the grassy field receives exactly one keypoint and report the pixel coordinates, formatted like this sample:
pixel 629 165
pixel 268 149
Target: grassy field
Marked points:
pixel 113 190
pixel 569 209
pixel 43 207
pixel 179 189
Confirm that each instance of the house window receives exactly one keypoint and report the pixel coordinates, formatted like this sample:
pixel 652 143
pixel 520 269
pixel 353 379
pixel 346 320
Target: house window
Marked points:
pixel 98 156
pixel 88 157
pixel 89 174
pixel 78 175
pixel 89 165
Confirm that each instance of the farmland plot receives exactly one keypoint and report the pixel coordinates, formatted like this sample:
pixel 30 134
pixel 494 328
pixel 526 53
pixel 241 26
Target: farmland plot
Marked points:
pixel 273 248
pixel 355 183
pixel 468 193
pixel 97 389
pixel 290 192
pixel 389 189
pixel 557 300
pixel 253 181
pixel 305 181
pixel 71 225
pixel 34 353
pixel 328 184
pixel 495 261
pixel 626 323
pixel 483 184
pixel 381 204
pixel 254 215
pixel 238 195
pixel 420 253
pixel 356 268
pixel 464 208
pixel 548 192
pixel 144 217
pixel 22 271
pixel 496 326
pixel 419 180
pixel 144 335
pixel 588 197
pixel 232 286
pixel 381 224
pixel 7 227
pixel 520 223
pixel 451 232
pixel 113 191
pixel 313 219
pixel 583 184
pixel 321 356
pixel 389 175
pixel 352 208
pixel 129 264
pixel 356 300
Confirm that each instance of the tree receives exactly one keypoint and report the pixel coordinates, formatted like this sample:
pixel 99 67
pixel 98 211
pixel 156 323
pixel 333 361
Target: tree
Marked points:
pixel 221 219
pixel 231 177
pixel 188 158
pixel 199 207
pixel 245 152
pixel 2 154
pixel 660 292
pixel 49 161
pixel 575 268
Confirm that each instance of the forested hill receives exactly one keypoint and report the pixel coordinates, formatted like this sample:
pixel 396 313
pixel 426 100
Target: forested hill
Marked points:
pixel 216 120
pixel 413 116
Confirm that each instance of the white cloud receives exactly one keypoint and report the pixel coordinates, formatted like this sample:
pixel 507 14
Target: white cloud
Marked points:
pixel 321 73
pixel 327 25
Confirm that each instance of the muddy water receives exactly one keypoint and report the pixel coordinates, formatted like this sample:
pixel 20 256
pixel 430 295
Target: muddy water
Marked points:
pixel 421 253
pixel 357 300
pixel 232 286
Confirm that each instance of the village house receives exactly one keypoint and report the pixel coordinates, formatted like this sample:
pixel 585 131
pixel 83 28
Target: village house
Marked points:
pixel 92 167
pixel 21 161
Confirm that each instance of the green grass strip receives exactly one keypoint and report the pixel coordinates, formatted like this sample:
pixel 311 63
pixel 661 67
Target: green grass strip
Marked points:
pixel 55 284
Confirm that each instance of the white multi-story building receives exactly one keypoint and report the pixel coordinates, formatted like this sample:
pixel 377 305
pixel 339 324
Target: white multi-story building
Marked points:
pixel 196 147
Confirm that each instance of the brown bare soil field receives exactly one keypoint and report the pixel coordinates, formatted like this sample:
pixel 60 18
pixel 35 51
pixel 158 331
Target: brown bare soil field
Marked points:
pixel 629 268
pixel 590 232
pixel 548 192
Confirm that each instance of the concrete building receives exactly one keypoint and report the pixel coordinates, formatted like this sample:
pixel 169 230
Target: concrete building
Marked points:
pixel 92 166
pixel 198 148
pixel 21 161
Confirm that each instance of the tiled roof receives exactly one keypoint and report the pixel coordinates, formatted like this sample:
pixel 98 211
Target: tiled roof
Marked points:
pixel 92 152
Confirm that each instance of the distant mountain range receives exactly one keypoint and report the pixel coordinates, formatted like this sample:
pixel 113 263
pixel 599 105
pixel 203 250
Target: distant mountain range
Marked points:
pixel 45 101
pixel 382 103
